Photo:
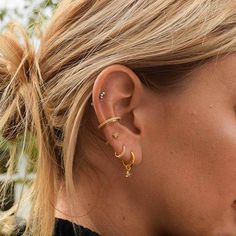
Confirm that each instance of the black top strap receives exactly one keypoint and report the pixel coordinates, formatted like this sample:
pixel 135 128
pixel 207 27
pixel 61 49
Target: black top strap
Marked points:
pixel 63 228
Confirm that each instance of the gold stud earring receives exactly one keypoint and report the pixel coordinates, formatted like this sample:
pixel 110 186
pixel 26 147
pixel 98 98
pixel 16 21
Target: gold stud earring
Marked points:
pixel 108 121
pixel 115 136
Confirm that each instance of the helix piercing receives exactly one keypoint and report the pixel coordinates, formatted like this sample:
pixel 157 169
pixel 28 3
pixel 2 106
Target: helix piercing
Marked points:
pixel 101 95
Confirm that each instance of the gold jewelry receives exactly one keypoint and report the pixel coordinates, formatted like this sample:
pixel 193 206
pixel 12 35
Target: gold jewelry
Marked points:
pixel 122 152
pixel 109 120
pixel 115 136
pixel 128 166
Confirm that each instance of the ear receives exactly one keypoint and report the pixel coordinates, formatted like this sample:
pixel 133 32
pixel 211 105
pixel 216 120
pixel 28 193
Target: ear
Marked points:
pixel 122 94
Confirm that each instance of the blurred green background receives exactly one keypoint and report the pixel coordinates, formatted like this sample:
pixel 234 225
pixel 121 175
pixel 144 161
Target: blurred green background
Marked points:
pixel 27 12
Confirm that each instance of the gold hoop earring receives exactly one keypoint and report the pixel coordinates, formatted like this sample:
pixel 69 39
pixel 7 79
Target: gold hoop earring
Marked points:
pixel 122 152
pixel 128 166
pixel 108 121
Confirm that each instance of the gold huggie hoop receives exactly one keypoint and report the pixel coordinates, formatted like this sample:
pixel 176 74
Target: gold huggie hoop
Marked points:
pixel 128 166
pixel 109 120
pixel 122 153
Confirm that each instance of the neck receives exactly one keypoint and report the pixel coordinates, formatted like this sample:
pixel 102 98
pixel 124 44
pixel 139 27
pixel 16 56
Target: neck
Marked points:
pixel 110 208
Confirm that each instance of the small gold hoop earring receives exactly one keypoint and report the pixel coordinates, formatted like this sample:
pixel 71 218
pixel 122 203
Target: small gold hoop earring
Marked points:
pixel 128 166
pixel 108 121
pixel 122 152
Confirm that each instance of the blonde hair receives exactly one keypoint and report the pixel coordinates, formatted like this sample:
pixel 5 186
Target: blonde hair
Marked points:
pixel 47 92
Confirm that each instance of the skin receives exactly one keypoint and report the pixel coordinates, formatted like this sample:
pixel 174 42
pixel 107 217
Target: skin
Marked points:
pixel 183 181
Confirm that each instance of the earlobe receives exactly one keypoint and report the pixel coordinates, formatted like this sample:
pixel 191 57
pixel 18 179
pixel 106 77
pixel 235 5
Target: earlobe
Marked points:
pixel 115 95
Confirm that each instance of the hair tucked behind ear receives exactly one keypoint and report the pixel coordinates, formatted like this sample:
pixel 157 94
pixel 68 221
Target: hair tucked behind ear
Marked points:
pixel 48 92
